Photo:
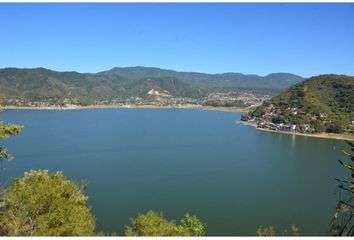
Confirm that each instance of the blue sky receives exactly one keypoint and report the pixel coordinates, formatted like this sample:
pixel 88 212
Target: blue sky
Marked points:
pixel 305 39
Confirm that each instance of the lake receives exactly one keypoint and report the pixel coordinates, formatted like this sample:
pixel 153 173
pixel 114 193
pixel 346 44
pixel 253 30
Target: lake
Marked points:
pixel 235 178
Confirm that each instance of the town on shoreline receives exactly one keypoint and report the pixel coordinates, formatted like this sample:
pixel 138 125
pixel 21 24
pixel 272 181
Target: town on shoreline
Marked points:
pixel 349 137
pixel 128 106
pixel 337 136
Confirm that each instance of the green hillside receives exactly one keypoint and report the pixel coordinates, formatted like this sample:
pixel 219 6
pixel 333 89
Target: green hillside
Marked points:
pixel 59 87
pixel 52 87
pixel 239 80
pixel 45 85
pixel 323 103
pixel 173 86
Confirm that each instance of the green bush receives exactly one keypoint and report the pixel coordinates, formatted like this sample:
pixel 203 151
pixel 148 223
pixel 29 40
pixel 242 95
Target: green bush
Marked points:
pixel 43 204
pixel 154 224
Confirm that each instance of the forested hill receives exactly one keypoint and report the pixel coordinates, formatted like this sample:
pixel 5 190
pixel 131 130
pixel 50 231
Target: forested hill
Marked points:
pixel 271 81
pixel 40 84
pixel 319 104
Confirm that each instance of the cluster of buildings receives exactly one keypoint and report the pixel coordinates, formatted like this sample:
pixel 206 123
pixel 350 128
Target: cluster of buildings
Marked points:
pixel 153 97
pixel 243 99
pixel 278 126
pixel 270 113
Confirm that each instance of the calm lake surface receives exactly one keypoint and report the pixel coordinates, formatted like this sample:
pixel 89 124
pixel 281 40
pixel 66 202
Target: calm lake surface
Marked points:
pixel 233 177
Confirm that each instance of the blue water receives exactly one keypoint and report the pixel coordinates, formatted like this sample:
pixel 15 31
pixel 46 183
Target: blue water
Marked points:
pixel 233 177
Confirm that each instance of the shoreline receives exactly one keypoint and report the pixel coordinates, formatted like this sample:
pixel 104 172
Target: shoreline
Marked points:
pixel 147 106
pixel 205 108
pixel 336 136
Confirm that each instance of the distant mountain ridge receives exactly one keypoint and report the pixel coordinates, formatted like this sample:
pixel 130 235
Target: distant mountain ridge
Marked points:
pixel 40 84
pixel 273 80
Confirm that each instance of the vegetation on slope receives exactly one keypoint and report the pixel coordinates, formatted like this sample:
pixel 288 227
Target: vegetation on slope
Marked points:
pixel 44 85
pixel 239 80
pixel 173 86
pixel 323 103
pixel 57 87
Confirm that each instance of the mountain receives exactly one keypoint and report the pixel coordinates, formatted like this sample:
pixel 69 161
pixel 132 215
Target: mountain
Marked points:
pixel 45 85
pixel 318 104
pixel 169 85
pixel 271 81
pixel 42 84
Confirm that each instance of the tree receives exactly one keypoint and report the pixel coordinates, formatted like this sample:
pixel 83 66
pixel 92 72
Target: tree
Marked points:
pixel 192 226
pixel 265 231
pixel 151 224
pixel 43 204
pixel 270 231
pixel 6 131
pixel 342 223
pixel 319 126
pixel 335 127
pixel 278 119
pixel 154 224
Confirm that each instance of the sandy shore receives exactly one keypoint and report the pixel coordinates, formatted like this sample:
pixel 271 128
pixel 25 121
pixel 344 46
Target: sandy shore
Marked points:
pixel 222 109
pixel 349 137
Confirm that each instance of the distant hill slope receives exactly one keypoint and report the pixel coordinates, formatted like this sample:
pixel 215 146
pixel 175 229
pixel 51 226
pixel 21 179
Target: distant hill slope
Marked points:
pixel 40 84
pixel 271 81
pixel 46 85
pixel 324 103
pixel 171 85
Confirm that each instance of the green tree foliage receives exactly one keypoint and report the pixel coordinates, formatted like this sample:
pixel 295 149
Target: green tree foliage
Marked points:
pixel 265 231
pixel 335 127
pixel 192 226
pixel 7 130
pixel 270 231
pixel 151 224
pixel 154 224
pixel 43 204
pixel 319 126
pixel 342 223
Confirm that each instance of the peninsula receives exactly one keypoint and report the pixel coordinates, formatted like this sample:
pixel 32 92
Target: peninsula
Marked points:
pixel 319 106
